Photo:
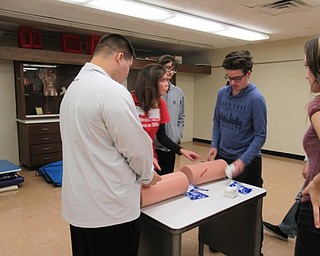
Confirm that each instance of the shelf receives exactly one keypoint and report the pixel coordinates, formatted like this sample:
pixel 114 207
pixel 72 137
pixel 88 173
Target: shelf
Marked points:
pixel 34 55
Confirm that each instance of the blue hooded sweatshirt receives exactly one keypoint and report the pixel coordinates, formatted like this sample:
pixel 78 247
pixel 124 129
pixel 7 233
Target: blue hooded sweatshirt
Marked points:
pixel 240 123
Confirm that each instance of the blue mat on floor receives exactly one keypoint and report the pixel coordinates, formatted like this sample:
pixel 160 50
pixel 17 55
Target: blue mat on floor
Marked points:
pixel 52 173
pixel 12 181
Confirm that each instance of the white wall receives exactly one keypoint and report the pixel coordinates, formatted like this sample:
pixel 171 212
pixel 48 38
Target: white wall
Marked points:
pixel 8 125
pixel 280 74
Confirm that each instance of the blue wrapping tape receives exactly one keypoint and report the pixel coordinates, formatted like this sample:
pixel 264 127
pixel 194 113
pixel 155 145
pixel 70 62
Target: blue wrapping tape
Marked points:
pixel 194 194
pixel 241 189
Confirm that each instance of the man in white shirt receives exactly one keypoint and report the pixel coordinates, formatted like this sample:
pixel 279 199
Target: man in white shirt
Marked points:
pixel 106 154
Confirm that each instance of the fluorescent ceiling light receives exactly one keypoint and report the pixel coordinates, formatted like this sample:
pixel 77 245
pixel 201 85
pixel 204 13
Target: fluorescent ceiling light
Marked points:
pixel 242 33
pixel 196 23
pixel 129 8
pixel 154 13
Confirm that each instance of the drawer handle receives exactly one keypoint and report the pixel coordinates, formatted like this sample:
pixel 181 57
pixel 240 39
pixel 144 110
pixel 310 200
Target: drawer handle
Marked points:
pixel 47 158
pixel 46 149
pixel 45 139
pixel 45 129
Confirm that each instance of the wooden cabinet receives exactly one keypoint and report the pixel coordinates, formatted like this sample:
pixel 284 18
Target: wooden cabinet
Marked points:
pixel 39 143
pixel 39 91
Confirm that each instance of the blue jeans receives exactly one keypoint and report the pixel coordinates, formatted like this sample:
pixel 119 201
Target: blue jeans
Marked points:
pixel 289 223
pixel 308 236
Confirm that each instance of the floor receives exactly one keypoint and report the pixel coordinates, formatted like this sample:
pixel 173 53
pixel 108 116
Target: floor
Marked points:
pixel 31 222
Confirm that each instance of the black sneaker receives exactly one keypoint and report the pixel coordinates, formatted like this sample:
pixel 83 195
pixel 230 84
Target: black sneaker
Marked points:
pixel 275 230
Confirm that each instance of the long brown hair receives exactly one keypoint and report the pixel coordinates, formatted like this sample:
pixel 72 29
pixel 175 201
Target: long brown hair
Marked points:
pixel 147 86
pixel 312 52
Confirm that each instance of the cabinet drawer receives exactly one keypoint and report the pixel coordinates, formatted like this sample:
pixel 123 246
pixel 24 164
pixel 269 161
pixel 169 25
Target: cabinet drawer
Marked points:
pixel 46 148
pixel 45 138
pixel 39 160
pixel 44 128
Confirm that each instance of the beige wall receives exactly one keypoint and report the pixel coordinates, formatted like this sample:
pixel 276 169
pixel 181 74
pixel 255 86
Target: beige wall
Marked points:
pixel 186 83
pixel 278 72
pixel 8 126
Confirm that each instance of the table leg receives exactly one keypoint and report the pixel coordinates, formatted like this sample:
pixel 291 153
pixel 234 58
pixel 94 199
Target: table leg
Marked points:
pixel 201 248
pixel 155 241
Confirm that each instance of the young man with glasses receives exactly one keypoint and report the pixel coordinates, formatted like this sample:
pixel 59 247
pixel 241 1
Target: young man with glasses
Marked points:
pixel 176 106
pixel 240 121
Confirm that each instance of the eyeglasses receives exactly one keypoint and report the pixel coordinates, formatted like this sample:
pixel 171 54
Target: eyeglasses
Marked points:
pixel 171 69
pixel 236 78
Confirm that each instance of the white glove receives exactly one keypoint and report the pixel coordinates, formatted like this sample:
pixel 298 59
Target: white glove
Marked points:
pixel 230 170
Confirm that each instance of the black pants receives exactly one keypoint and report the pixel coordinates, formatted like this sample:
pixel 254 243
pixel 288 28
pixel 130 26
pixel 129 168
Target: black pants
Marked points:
pixel 308 236
pixel 117 240
pixel 166 161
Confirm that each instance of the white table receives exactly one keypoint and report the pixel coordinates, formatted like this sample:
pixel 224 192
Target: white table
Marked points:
pixel 220 220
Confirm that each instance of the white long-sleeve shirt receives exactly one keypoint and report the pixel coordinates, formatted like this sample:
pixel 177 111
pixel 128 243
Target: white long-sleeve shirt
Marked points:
pixel 106 152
